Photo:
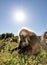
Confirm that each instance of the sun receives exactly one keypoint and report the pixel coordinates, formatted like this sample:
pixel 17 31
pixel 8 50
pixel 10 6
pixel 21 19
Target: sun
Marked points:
pixel 19 16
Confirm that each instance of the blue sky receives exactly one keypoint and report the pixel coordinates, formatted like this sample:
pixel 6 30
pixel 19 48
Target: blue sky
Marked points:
pixel 35 10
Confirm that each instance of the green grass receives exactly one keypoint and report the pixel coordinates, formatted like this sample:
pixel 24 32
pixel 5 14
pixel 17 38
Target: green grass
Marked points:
pixel 6 58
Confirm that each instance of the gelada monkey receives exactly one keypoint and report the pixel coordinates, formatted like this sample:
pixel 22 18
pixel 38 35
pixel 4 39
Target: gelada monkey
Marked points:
pixel 28 42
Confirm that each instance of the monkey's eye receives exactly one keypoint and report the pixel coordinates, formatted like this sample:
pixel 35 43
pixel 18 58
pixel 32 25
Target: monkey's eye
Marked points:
pixel 21 35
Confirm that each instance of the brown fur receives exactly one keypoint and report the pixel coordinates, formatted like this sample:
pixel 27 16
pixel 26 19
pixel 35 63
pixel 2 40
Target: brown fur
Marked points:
pixel 44 40
pixel 29 39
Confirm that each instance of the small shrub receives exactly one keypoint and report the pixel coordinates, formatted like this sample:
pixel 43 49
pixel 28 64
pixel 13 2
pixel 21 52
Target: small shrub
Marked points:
pixel 15 39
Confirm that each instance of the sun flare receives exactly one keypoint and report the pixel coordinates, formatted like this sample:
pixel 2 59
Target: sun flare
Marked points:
pixel 19 16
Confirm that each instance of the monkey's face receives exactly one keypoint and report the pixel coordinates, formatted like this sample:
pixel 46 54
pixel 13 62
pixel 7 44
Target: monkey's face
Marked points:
pixel 23 42
pixel 23 39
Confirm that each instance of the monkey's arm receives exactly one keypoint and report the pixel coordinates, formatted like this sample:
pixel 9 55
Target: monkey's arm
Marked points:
pixel 17 48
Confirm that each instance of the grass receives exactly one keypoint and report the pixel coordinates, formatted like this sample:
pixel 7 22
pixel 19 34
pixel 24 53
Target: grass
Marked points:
pixel 6 58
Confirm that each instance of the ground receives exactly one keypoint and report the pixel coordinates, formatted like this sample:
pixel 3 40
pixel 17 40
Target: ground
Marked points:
pixel 6 58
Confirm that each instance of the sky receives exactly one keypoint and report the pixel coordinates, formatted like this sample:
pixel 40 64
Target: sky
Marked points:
pixel 35 11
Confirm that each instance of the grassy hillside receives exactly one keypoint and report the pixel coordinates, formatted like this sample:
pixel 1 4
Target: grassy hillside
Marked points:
pixel 6 58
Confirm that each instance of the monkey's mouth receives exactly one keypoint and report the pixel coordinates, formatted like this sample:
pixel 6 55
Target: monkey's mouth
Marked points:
pixel 24 49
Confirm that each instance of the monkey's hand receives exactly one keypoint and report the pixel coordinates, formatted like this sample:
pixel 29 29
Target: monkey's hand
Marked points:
pixel 15 49
pixel 11 51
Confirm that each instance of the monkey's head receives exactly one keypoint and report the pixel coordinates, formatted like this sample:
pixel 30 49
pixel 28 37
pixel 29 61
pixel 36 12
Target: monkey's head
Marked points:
pixel 26 37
